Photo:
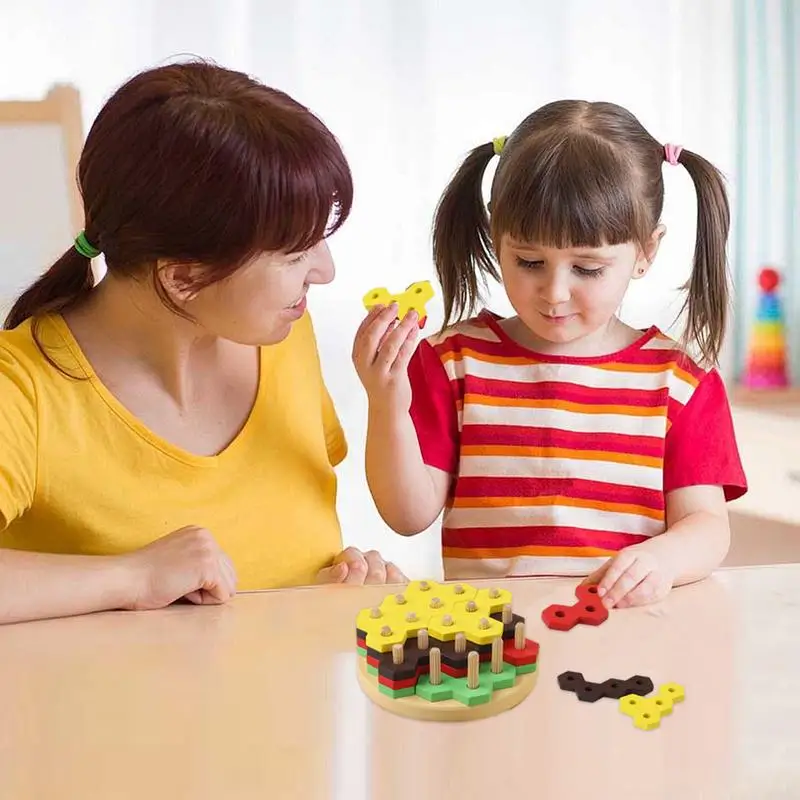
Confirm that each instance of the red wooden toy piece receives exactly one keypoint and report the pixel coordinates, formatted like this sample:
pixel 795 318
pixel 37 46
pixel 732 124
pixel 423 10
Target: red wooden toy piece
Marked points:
pixel 560 618
pixel 591 610
pixel 588 610
pixel 527 655
pixel 404 684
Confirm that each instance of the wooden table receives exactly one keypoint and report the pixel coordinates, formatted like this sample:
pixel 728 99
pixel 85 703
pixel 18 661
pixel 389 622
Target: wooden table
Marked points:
pixel 259 699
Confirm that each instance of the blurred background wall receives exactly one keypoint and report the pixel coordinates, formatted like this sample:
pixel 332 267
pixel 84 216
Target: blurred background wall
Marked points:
pixel 409 87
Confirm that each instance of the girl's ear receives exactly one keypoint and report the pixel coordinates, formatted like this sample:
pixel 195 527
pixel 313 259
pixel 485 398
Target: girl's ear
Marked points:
pixel 647 256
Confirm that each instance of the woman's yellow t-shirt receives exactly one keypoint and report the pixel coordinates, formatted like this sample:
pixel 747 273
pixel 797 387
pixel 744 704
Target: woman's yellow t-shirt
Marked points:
pixel 80 474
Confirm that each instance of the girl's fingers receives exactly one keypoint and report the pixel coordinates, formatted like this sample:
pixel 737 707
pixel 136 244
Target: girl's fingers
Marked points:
pixel 369 337
pixel 614 571
pixel 406 351
pixel 645 593
pixel 394 341
pixel 628 581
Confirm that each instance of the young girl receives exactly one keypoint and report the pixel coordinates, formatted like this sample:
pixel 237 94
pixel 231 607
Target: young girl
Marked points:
pixel 560 440
pixel 167 432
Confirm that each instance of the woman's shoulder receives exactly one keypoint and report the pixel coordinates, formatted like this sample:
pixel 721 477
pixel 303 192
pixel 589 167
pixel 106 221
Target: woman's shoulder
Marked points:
pixel 39 349
pixel 19 352
pixel 21 367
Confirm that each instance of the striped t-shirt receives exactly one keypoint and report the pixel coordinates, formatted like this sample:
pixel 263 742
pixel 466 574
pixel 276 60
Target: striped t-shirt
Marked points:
pixel 559 462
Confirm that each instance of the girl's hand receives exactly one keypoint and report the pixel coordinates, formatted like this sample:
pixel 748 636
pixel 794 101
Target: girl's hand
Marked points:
pixel 353 566
pixel 381 352
pixel 636 576
pixel 187 563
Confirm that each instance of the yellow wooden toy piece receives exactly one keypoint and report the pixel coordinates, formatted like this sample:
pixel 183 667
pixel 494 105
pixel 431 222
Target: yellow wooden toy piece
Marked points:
pixel 646 712
pixel 393 631
pixel 414 297
pixel 490 601
pixel 457 593
pixel 444 609
pixel 481 629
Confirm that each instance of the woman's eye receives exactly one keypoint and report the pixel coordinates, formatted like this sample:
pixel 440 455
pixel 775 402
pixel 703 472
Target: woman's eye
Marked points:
pixel 521 262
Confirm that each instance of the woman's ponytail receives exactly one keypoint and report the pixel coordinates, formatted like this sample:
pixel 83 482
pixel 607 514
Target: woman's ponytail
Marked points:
pixel 65 284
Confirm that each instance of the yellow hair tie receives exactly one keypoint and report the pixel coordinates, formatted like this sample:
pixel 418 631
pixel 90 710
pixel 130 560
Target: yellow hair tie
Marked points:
pixel 499 143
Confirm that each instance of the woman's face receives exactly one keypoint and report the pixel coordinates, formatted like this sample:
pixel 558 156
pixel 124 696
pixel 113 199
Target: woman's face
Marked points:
pixel 258 304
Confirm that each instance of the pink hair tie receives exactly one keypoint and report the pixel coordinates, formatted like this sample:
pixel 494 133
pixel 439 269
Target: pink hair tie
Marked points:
pixel 672 153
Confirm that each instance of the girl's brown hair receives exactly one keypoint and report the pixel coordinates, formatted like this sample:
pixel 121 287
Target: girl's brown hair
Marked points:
pixel 193 163
pixel 576 174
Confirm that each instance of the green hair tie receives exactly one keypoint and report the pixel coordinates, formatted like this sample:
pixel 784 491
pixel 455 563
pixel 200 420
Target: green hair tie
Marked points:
pixel 84 248
pixel 499 142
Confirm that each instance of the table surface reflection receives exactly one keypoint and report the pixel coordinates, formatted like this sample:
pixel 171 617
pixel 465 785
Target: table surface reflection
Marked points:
pixel 259 699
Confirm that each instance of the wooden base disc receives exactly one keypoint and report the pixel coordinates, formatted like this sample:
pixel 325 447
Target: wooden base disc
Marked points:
pixel 446 710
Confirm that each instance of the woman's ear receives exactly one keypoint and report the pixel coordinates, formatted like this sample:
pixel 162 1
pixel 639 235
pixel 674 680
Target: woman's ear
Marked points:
pixel 177 281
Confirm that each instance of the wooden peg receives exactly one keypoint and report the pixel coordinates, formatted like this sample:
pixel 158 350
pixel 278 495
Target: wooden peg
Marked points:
pixel 422 639
pixel 375 613
pixel 397 654
pixel 519 636
pixel 461 643
pixel 458 589
pixel 473 663
pixel 386 630
pixel 436 666
pixel 447 620
pixel 471 606
pixel 507 614
pixel 436 602
pixel 494 593
pixel 424 586
pixel 483 624
pixel 400 599
pixel 497 655
pixel 411 616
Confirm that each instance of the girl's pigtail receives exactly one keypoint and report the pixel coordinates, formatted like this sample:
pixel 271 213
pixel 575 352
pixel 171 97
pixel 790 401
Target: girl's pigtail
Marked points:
pixel 462 242
pixel 708 288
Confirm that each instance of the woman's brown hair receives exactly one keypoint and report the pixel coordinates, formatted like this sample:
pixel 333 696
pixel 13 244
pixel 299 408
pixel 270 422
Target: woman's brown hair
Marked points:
pixel 576 174
pixel 193 163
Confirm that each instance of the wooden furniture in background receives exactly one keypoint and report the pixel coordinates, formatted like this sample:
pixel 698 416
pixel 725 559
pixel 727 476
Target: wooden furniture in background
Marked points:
pixel 765 523
pixel 40 206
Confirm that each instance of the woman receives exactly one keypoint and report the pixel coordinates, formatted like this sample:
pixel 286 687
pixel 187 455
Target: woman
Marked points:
pixel 167 433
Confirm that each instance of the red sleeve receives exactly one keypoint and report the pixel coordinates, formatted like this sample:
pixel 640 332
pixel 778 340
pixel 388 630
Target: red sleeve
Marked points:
pixel 701 445
pixel 433 409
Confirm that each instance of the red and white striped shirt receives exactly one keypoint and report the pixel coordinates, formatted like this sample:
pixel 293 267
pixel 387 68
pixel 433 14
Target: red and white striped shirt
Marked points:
pixel 559 462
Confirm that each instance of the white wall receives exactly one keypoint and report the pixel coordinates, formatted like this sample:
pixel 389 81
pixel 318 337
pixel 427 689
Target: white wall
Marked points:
pixel 409 87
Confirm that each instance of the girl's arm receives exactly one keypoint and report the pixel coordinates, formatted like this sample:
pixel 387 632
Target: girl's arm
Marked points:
pixel 702 473
pixel 698 533
pixel 694 544
pixel 408 494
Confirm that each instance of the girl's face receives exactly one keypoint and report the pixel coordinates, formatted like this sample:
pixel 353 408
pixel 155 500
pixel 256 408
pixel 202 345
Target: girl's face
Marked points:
pixel 563 295
pixel 258 304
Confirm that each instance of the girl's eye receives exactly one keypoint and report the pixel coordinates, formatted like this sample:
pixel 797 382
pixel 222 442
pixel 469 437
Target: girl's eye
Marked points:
pixel 298 259
pixel 589 273
pixel 521 262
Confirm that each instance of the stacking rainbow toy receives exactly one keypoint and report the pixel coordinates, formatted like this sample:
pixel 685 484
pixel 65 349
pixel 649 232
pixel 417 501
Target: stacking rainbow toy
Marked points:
pixel 766 362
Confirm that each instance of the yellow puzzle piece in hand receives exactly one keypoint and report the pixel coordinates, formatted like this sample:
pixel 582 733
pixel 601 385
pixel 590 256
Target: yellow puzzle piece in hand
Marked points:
pixel 413 298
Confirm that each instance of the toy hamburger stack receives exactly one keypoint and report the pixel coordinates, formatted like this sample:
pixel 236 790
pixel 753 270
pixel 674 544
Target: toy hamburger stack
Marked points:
pixel 445 652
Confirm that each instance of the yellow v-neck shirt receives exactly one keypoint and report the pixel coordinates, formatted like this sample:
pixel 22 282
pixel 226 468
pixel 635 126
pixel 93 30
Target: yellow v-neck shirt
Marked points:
pixel 81 474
